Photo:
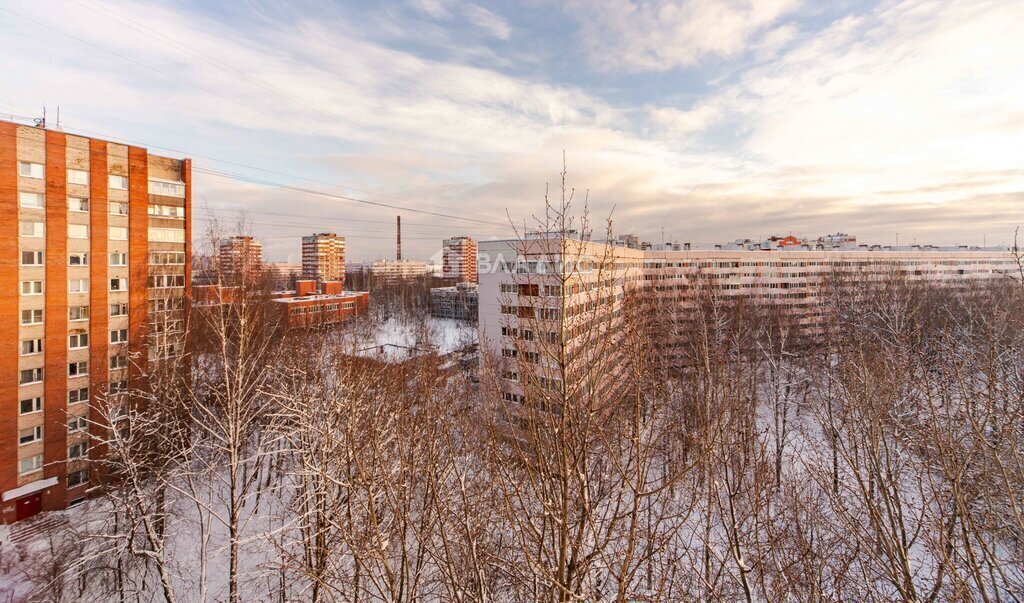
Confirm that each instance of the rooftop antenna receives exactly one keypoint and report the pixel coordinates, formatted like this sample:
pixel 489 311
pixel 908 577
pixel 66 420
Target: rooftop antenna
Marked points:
pixel 399 223
pixel 41 122
pixel 58 117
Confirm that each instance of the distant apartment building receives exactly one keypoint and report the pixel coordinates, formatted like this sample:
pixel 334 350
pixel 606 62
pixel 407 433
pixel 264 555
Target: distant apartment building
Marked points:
pixel 93 283
pixel 241 260
pixel 389 272
pixel 283 274
pixel 459 302
pixel 323 257
pixel 522 301
pixel 459 259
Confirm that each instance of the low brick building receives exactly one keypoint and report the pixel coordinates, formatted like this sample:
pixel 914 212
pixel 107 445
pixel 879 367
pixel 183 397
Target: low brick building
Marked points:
pixel 307 306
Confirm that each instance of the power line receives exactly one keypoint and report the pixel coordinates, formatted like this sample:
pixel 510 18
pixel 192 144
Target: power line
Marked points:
pixel 232 71
pixel 384 237
pixel 185 153
pixel 289 188
pixel 296 189
pixel 320 226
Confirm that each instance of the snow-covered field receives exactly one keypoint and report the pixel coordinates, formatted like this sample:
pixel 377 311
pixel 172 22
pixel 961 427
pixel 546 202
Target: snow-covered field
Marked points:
pixel 400 337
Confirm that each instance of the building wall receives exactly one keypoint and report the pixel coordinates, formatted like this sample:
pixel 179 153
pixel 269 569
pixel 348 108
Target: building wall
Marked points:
pixel 323 257
pixel 459 259
pixel 66 237
pixel 9 308
pixel 455 303
pixel 788 280
pixel 241 258
pixel 392 271
pixel 323 309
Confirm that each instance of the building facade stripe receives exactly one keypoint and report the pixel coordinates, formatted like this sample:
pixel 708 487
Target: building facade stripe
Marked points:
pixel 55 316
pixel 9 260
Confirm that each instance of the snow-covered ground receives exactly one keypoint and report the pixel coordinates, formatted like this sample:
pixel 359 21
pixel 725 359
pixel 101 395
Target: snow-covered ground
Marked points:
pixel 399 338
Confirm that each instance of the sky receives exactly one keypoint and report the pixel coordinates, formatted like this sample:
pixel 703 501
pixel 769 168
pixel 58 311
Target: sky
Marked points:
pixel 691 120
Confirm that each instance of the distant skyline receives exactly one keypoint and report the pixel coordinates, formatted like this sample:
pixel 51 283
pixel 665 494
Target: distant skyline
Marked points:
pixel 712 119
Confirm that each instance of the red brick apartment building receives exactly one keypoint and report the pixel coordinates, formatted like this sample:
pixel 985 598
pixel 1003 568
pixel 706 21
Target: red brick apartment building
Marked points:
pixel 241 260
pixel 323 257
pixel 459 260
pixel 94 274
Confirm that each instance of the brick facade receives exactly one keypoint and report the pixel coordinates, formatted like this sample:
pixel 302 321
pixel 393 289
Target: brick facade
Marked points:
pixel 71 227
pixel 9 314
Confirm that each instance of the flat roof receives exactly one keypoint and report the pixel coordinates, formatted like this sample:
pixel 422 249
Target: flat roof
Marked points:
pixel 327 297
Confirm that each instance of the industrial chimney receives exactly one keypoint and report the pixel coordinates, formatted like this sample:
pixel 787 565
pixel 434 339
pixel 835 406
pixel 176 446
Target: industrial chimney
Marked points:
pixel 399 238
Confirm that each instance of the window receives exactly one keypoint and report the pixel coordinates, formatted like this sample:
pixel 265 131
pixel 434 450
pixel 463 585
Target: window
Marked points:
pixel 78 259
pixel 118 208
pixel 78 451
pixel 78 312
pixel 79 423
pixel 78 369
pixel 78 395
pixel 30 229
pixel 78 285
pixel 31 258
pixel 31 287
pixel 160 281
pixel 30 465
pixel 118 258
pixel 78 177
pixel 77 478
pixel 119 336
pixel 31 170
pixel 167 258
pixel 78 204
pixel 118 361
pixel 29 376
pixel 167 189
pixel 31 346
pixel 77 341
pixel 118 233
pixel 30 405
pixel 32 317
pixel 31 200
pixel 120 309
pixel 117 387
pixel 167 211
pixel 117 182
pixel 78 231
pixel 118 284
pixel 32 434
pixel 167 235
pixel 163 304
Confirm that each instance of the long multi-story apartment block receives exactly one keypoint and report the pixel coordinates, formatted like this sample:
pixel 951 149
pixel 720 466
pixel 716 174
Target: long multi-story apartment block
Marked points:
pixel 323 257
pixel 545 290
pixel 390 272
pixel 459 259
pixel 241 260
pixel 94 274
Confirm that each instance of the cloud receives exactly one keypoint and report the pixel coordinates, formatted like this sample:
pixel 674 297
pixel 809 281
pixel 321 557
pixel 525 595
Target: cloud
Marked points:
pixel 477 16
pixel 488 21
pixel 659 35
pixel 437 9
pixel 904 117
